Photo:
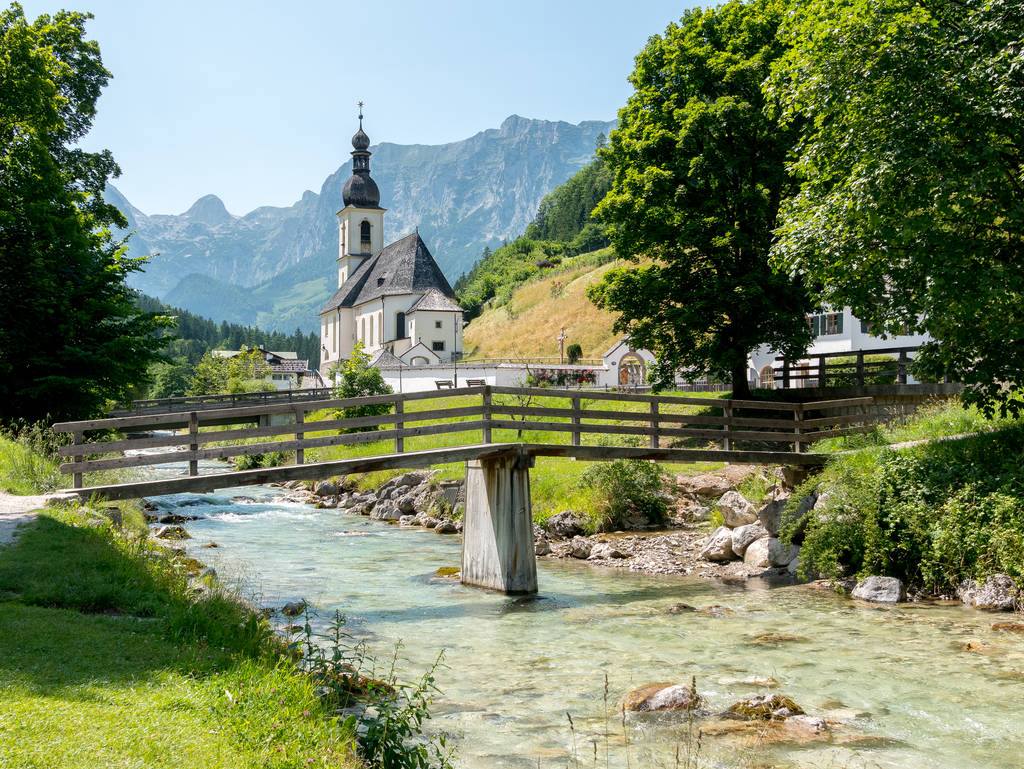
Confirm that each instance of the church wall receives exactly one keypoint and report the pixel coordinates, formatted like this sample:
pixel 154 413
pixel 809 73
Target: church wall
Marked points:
pixel 423 328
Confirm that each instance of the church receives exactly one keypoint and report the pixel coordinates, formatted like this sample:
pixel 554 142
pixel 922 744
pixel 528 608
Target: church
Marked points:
pixel 394 299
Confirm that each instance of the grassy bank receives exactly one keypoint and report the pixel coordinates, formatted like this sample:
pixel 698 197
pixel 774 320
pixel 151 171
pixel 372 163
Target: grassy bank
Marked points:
pixel 107 658
pixel 933 514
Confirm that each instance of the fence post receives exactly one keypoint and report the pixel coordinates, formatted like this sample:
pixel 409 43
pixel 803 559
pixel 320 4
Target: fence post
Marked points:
pixel 860 368
pixel 300 453
pixel 821 371
pixel 785 375
pixel 901 366
pixel 76 479
pixel 399 425
pixel 654 424
pixel 798 415
pixel 727 411
pixel 193 432
pixel 486 400
pixel 576 420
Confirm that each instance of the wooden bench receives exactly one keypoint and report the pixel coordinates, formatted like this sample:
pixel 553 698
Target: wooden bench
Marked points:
pixel 444 384
pixel 476 382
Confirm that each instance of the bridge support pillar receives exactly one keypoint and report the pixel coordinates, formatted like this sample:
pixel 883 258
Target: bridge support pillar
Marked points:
pixel 497 535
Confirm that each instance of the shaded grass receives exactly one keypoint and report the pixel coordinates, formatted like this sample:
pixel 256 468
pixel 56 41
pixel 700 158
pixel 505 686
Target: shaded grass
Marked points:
pixel 106 659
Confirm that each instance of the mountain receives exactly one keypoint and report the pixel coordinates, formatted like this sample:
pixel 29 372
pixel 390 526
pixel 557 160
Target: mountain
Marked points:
pixel 275 266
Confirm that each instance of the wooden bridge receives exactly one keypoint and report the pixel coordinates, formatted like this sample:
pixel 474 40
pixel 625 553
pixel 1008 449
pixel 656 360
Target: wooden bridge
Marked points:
pixel 496 431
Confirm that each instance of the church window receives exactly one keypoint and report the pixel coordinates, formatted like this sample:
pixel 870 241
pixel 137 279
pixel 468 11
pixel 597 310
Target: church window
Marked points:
pixel 437 324
pixel 400 326
pixel 364 232
pixel 767 378
pixel 371 332
pixel 438 346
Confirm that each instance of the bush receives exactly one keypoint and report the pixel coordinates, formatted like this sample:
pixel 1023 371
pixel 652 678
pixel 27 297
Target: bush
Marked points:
pixel 933 516
pixel 358 378
pixel 626 488
pixel 846 376
pixel 256 461
pixel 573 352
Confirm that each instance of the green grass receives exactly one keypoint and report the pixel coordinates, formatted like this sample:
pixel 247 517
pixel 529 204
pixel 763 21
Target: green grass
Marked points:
pixel 105 660
pixel 22 471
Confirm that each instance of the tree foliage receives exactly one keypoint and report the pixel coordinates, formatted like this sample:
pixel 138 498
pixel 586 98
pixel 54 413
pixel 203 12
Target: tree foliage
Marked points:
pixel 245 372
pixel 355 379
pixel 564 214
pixel 911 209
pixel 71 336
pixel 699 164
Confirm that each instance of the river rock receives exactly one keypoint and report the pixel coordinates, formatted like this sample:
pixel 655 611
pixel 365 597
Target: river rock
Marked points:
pixel 880 590
pixel 293 609
pixel 172 532
pixel 429 521
pixel 768 552
pixel 765 707
pixel 743 536
pixel 736 510
pixel 407 504
pixel 407 520
pixel 566 524
pixel 327 489
pixel 661 696
pixel 719 546
pixel 998 593
pixel 703 485
pixel 446 527
pixel 410 479
pixel 604 550
pixel 385 512
pixel 579 548
pixel 541 547
pixel 176 518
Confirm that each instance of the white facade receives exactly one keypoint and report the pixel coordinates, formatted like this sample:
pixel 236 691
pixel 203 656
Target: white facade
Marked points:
pixel 835 331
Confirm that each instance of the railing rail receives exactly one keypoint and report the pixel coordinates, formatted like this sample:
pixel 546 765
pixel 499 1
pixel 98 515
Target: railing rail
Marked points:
pixel 478 411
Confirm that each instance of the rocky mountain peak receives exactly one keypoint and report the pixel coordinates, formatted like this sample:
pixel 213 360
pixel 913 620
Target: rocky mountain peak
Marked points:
pixel 209 210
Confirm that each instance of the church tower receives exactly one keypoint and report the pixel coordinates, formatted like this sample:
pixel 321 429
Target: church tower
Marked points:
pixel 361 221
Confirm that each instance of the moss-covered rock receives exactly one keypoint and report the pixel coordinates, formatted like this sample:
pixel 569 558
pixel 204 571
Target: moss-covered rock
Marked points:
pixel 766 707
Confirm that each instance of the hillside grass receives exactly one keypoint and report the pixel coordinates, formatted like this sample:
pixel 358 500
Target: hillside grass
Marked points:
pixel 107 659
pixel 529 322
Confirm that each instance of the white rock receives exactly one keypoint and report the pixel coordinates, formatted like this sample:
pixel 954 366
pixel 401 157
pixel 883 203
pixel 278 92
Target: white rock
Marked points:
pixel 719 546
pixel 880 590
pixel 742 536
pixel 604 550
pixel 579 548
pixel 736 510
pixel 767 552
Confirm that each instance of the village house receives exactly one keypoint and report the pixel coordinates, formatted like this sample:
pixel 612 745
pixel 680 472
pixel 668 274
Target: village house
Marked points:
pixel 287 370
pixel 392 299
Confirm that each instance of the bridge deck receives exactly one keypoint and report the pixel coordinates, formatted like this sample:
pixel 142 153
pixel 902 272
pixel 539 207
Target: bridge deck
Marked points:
pixel 428 458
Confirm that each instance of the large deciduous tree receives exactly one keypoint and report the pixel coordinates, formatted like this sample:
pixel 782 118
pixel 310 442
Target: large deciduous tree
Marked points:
pixel 70 335
pixel 699 163
pixel 911 209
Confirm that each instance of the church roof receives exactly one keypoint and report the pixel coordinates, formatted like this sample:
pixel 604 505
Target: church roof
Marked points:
pixel 435 300
pixel 403 267
pixel 386 359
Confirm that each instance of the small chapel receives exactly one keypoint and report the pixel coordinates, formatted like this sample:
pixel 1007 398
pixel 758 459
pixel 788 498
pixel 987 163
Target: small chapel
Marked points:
pixel 394 299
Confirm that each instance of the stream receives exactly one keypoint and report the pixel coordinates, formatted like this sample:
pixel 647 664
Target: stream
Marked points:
pixel 515 666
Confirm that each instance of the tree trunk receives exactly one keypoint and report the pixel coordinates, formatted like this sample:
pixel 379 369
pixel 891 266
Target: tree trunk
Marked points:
pixel 740 383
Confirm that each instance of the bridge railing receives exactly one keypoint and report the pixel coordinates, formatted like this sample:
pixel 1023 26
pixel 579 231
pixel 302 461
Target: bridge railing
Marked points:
pixel 486 414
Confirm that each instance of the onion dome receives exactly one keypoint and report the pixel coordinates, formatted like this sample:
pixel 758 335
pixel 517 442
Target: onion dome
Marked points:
pixel 360 190
pixel 361 141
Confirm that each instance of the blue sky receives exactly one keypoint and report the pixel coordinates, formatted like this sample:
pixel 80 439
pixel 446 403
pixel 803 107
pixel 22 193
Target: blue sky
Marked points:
pixel 256 101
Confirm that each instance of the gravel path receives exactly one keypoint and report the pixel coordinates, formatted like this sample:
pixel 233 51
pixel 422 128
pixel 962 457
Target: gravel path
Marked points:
pixel 15 511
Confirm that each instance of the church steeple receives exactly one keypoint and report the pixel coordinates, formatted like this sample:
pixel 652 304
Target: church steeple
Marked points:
pixel 360 190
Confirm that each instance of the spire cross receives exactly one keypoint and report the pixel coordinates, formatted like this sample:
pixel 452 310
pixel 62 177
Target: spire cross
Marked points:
pixel 360 114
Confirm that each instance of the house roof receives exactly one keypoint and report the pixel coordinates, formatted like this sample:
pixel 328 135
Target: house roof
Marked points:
pixel 386 359
pixel 403 267
pixel 420 349
pixel 433 299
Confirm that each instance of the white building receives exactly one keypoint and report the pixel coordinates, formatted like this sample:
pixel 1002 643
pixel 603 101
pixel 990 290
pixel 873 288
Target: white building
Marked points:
pixel 287 369
pixel 835 331
pixel 390 298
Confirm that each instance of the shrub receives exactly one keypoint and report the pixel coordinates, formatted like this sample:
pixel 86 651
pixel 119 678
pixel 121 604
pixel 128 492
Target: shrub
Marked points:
pixel 846 376
pixel 358 378
pixel 574 352
pixel 256 461
pixel 625 488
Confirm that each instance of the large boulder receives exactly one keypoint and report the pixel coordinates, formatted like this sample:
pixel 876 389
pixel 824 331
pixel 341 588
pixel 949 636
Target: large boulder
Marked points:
pixel 736 510
pixel 446 527
pixel 998 593
pixel 880 590
pixel 704 485
pixel 767 552
pixel 662 696
pixel 172 532
pixel 766 707
pixel 406 504
pixel 385 513
pixel 719 546
pixel 565 525
pixel 541 547
pixel 327 489
pixel 743 536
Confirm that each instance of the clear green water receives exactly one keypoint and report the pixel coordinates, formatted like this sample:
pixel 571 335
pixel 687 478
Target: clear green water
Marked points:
pixel 515 667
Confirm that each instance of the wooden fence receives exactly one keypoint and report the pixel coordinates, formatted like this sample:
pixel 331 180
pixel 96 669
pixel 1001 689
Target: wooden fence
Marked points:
pixel 852 368
pixel 658 420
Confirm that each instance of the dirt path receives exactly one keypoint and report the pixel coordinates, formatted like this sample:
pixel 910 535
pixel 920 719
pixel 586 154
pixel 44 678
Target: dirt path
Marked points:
pixel 15 511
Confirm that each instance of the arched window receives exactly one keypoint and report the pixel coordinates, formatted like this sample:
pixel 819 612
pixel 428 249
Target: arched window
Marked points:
pixel 419 360
pixel 400 326
pixel 364 233
pixel 768 378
